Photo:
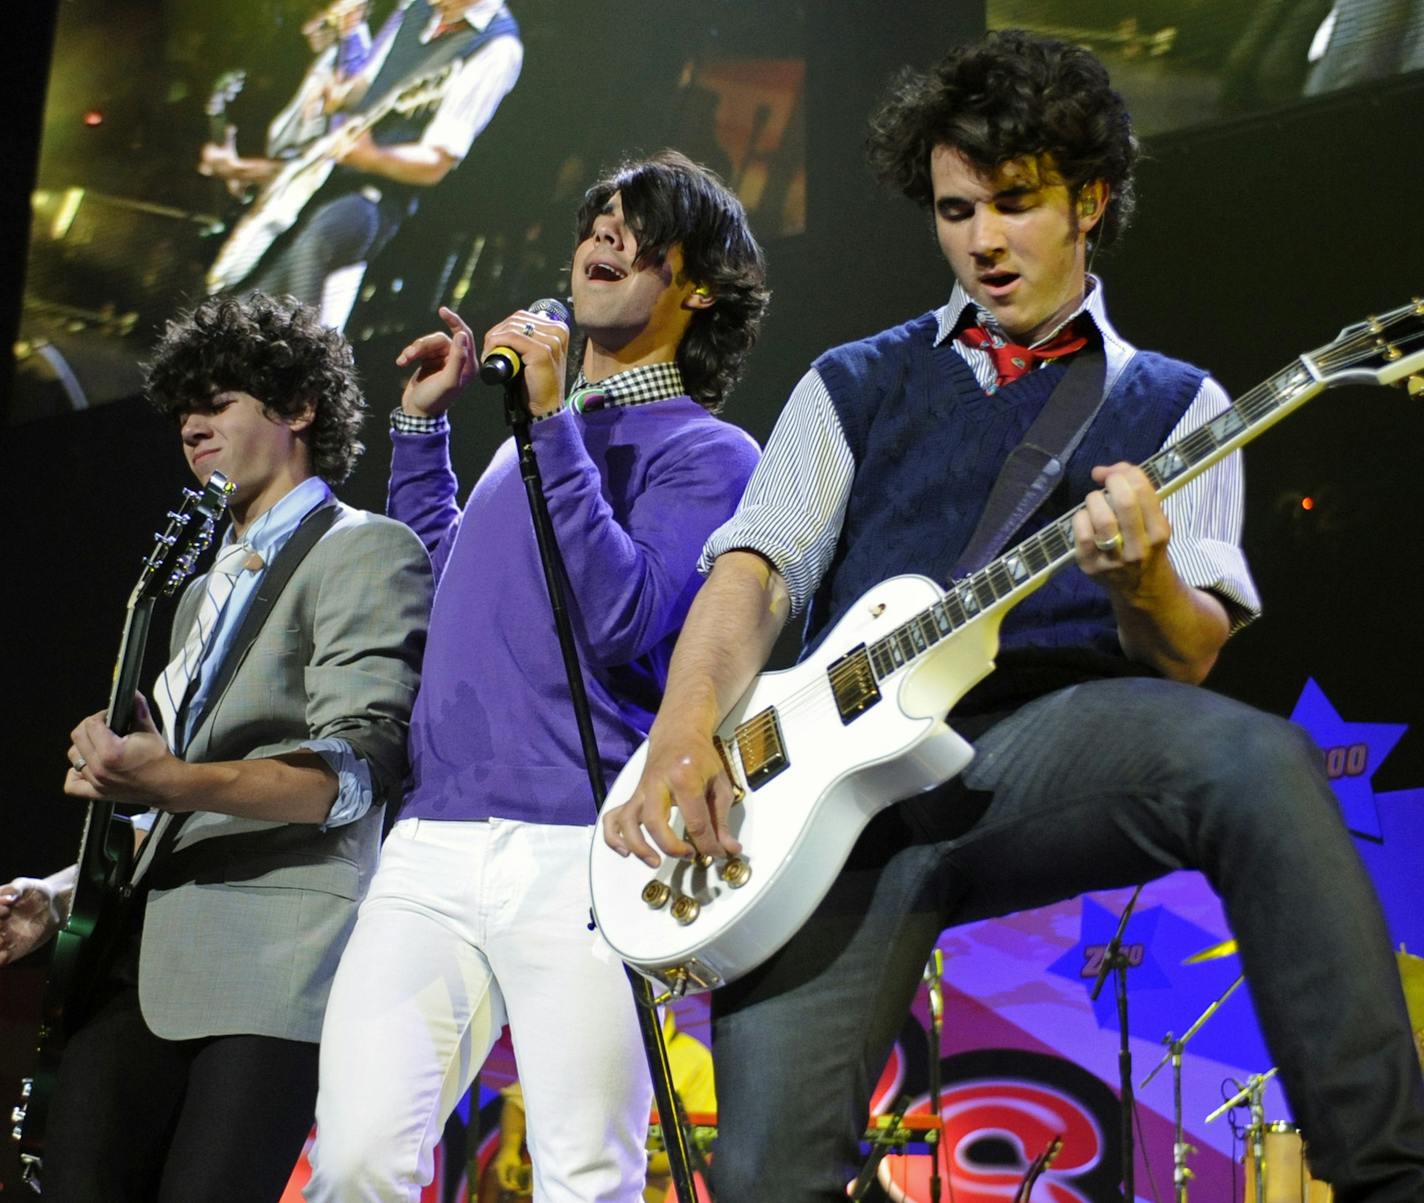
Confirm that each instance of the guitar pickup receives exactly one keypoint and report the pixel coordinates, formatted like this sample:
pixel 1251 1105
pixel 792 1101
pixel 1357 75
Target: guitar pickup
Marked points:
pixel 853 684
pixel 763 752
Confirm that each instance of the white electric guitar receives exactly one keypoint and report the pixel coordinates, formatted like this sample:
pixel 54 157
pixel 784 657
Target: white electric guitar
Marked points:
pixel 815 751
pixel 281 201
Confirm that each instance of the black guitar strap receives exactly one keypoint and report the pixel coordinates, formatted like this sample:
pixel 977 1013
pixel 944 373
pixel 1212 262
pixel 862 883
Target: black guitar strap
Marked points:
pixel 1038 462
pixel 269 589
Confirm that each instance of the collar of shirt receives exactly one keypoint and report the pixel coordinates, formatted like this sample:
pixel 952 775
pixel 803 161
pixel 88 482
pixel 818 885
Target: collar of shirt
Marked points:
pixel 477 16
pixel 266 536
pixel 636 386
pixel 1116 351
pixel 270 532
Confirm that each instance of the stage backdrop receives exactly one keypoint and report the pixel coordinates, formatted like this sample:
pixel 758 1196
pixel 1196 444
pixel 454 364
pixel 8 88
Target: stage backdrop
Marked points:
pixel 1259 234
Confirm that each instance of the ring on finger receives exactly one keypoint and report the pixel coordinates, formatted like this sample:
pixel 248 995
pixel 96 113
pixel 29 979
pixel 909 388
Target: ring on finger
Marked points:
pixel 1109 546
pixel 527 329
pixel 78 763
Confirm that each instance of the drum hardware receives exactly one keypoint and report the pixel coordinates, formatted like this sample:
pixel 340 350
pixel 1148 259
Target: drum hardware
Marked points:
pixel 892 1133
pixel 1181 1150
pixel 1225 949
pixel 1253 1093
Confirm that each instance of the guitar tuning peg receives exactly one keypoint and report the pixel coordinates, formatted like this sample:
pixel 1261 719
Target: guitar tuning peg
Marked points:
pixel 180 517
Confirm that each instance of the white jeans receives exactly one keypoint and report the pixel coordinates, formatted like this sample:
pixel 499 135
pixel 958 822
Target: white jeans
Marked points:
pixel 468 926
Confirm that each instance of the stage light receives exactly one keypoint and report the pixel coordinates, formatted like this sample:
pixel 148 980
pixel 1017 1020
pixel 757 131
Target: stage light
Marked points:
pixel 93 117
pixel 1307 503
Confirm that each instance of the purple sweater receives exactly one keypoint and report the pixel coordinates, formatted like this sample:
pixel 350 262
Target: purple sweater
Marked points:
pixel 633 491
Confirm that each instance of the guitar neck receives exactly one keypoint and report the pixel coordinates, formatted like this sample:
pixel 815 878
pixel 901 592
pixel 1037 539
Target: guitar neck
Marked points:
pixel 129 665
pixel 1005 582
pixel 97 861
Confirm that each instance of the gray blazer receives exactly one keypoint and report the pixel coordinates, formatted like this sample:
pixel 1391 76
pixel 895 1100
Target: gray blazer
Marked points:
pixel 246 919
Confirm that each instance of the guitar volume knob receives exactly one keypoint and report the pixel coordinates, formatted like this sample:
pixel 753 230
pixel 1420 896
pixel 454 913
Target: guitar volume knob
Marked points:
pixel 685 909
pixel 736 872
pixel 656 894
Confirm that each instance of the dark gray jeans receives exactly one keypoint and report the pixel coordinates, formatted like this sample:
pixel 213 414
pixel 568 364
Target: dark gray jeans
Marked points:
pixel 1101 785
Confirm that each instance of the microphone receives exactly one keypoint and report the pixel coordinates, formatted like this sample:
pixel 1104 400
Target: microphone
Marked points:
pixel 933 976
pixel 503 364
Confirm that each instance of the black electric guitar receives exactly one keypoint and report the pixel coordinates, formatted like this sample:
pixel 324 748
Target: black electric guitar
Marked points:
pixel 82 947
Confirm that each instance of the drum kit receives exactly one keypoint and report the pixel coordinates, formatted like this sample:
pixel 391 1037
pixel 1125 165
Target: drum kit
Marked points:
pixel 1277 1170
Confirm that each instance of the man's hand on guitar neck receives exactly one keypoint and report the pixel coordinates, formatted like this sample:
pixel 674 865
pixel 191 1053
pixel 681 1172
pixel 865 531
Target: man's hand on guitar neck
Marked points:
pixel 1121 536
pixel 291 787
pixel 137 767
pixel 32 909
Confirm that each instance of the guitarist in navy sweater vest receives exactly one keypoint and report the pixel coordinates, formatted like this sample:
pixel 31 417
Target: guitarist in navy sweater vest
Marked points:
pixel 1099 762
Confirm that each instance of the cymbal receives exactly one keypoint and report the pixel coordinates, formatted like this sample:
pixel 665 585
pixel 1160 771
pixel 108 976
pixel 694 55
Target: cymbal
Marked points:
pixel 1225 949
pixel 1411 977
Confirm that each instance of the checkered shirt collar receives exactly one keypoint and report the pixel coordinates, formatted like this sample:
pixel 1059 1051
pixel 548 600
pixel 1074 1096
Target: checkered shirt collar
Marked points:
pixel 636 386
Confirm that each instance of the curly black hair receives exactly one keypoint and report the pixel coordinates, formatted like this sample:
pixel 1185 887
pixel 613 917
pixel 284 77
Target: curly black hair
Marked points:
pixel 1012 95
pixel 668 200
pixel 275 349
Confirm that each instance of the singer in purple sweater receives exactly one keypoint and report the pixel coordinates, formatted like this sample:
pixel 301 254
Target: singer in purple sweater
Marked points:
pixel 478 914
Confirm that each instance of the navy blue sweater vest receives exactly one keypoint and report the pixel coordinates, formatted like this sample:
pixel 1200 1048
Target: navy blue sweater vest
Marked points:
pixel 928 444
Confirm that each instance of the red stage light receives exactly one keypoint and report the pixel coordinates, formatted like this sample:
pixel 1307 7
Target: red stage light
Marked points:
pixel 1307 503
pixel 93 117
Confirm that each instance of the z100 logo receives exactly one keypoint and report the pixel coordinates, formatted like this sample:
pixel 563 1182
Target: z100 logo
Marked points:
pixel 1350 760
pixel 1093 955
pixel 1002 1109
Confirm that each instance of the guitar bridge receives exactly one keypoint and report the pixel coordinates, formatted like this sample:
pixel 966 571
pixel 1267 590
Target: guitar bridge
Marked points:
pixel 762 750
pixel 738 793
pixel 853 684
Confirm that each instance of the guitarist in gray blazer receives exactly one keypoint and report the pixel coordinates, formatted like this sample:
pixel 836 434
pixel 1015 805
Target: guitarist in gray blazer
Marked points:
pixel 193 1075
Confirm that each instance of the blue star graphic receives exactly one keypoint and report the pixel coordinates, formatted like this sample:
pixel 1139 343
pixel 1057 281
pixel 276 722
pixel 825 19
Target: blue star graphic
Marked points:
pixel 1353 751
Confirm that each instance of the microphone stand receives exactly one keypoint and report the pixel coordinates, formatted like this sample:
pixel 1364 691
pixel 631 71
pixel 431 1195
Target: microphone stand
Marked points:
pixel 1181 1175
pixel 934 975
pixel 1253 1093
pixel 1114 959
pixel 670 1112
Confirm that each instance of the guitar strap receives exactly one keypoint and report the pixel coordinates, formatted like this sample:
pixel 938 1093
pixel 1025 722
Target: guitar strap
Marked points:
pixel 269 589
pixel 1038 462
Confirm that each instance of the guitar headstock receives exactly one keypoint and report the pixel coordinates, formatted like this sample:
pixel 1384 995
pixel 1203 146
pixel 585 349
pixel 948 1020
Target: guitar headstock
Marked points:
pixel 226 88
pixel 189 531
pixel 1388 349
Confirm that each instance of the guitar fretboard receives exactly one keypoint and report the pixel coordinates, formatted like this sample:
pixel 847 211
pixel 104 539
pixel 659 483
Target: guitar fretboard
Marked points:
pixel 1017 573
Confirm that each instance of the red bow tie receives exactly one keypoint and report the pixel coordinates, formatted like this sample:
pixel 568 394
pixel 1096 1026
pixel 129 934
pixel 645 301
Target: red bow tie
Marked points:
pixel 1012 360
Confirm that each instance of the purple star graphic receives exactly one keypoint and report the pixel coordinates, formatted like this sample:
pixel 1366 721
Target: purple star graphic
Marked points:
pixel 1353 751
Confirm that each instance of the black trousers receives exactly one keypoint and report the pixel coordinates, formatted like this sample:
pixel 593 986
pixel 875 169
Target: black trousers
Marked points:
pixel 139 1119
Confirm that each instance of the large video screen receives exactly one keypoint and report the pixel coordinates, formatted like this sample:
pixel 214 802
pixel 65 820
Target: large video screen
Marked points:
pixel 376 158
pixel 1185 62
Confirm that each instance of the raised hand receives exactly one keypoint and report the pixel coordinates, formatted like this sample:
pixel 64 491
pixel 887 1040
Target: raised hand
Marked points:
pixel 444 364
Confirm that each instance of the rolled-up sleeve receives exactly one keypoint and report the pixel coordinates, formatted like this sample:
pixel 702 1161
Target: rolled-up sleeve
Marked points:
pixel 1206 516
pixel 795 502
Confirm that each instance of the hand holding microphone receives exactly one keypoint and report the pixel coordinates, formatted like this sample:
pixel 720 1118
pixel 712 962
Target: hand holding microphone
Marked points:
pixel 530 346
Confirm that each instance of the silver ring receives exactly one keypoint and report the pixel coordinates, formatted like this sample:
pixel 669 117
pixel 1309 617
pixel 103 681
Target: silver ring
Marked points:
pixel 79 762
pixel 1109 545
pixel 527 329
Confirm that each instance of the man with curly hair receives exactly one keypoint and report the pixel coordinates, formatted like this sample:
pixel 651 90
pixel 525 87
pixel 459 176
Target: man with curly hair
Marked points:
pixel 478 915
pixel 193 1074
pixel 1099 760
